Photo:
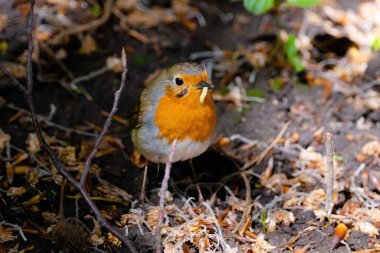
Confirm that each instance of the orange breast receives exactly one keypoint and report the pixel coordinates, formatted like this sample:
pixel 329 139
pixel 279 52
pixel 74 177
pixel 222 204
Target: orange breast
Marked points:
pixel 181 118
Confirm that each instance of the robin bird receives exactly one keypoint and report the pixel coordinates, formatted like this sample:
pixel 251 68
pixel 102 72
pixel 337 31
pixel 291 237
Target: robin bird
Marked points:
pixel 176 121
pixel 176 105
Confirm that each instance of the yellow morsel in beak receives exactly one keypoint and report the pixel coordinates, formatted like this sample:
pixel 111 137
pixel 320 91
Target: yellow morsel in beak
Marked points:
pixel 203 94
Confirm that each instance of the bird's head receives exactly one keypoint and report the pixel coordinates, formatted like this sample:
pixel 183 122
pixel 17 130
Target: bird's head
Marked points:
pixel 187 81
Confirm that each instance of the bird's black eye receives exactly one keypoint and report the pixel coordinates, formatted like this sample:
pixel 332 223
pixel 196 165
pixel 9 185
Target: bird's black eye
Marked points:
pixel 178 81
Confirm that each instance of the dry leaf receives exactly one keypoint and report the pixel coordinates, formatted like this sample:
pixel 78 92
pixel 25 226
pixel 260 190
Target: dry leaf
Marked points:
pixel 96 237
pixel 294 137
pixel 366 228
pixel 33 200
pixel 350 206
pixel 361 157
pixel 311 158
pixel 6 234
pixel 10 172
pixel 113 240
pixel 224 142
pixel 20 157
pixel 372 100
pixel 276 182
pixel 33 144
pixel 17 70
pixel 301 250
pixel 350 137
pixel 315 199
pixel 67 154
pixel 234 95
pixel 371 148
pixel 152 217
pixel 261 245
pixel 43 32
pixel 22 170
pixel 50 217
pixel 373 215
pixel 15 191
pixel 126 5
pixel 114 63
pixel 150 18
pixel 3 21
pixel 134 217
pixel 237 204
pixel 4 140
pixel 279 216
pixel 88 45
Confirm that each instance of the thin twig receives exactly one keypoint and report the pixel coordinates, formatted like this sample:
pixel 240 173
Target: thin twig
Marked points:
pixel 164 187
pixel 29 67
pixel 108 122
pixel 359 192
pixel 49 123
pixel 89 76
pixel 269 148
pixel 248 201
pixel 329 173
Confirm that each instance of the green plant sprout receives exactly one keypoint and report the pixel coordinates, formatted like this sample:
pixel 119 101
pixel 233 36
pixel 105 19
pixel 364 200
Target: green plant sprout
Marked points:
pixel 264 218
pixel 259 7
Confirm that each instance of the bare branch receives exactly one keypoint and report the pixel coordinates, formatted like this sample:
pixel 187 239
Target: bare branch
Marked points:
pixel 108 122
pixel 29 67
pixel 329 177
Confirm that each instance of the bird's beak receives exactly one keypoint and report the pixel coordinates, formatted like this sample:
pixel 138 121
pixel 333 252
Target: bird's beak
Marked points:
pixel 203 84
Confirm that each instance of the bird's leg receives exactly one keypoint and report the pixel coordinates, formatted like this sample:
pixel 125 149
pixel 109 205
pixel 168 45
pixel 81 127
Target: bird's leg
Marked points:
pixel 164 187
pixel 142 195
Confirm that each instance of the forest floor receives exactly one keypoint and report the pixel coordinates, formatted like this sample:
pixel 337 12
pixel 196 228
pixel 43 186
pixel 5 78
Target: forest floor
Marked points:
pixel 263 179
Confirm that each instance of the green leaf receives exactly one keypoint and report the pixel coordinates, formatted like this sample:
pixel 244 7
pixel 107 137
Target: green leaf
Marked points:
pixel 290 46
pixel 257 93
pixel 4 46
pixel 140 60
pixel 338 158
pixel 242 110
pixel 77 90
pixel 258 6
pixel 375 45
pixel 264 218
pixel 302 3
pixel 291 52
pixel 224 90
pixel 296 62
pixel 96 10
pixel 276 83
